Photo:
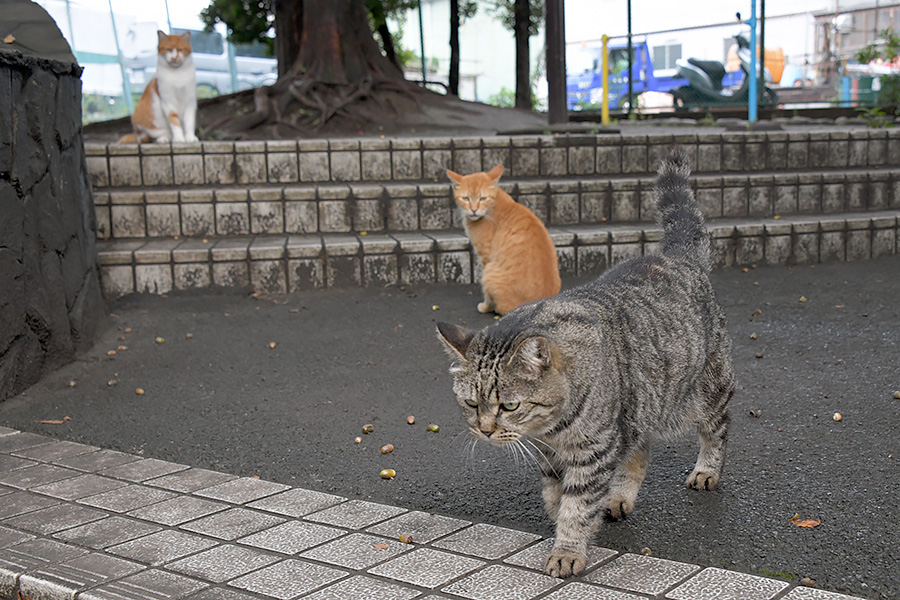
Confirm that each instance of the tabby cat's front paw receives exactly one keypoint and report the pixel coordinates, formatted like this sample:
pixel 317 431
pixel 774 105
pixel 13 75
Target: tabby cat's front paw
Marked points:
pixel 620 507
pixel 702 480
pixel 565 564
pixel 484 307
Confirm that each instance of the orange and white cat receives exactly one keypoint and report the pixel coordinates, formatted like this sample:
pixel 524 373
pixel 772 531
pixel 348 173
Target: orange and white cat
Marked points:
pixel 518 258
pixel 167 110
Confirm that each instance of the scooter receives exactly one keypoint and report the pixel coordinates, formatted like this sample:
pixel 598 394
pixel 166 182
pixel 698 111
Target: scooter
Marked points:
pixel 706 82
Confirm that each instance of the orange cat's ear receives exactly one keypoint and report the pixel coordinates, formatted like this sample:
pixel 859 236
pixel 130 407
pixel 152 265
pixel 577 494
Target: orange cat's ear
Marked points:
pixel 454 176
pixel 186 36
pixel 162 36
pixel 495 173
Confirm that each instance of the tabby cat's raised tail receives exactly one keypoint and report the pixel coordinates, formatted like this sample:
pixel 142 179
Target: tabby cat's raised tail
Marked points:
pixel 677 212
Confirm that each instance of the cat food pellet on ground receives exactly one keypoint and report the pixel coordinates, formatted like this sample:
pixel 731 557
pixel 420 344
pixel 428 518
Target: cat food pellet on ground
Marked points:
pixel 368 428
pixel 189 336
pixel 358 440
pixel 111 353
pixel 160 340
pixel 897 395
pixel 122 348
pixel 128 330
pixel 112 382
pixel 388 473
pixel 406 539
pixel 272 345
pixel 139 391
pixel 837 416
pixel 433 428
pixel 412 420
pixel 71 383
pixel 387 448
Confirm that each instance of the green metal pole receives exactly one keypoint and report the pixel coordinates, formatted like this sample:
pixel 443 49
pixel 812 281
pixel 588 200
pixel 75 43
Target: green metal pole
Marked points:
pixel 126 85
pixel 422 42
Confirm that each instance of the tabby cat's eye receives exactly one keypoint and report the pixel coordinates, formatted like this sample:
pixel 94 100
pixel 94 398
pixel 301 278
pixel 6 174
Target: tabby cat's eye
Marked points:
pixel 472 402
pixel 510 406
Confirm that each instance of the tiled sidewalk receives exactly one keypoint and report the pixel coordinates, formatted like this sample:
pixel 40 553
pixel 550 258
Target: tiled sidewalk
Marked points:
pixel 78 522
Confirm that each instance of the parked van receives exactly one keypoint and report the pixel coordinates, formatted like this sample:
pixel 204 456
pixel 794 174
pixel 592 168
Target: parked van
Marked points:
pixel 252 68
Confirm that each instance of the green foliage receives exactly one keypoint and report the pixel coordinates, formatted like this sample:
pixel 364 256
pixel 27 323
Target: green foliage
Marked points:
pixel 887 49
pixel 875 117
pixel 505 98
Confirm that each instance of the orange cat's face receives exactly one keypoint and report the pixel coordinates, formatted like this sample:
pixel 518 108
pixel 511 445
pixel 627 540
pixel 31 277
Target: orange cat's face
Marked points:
pixel 174 48
pixel 475 194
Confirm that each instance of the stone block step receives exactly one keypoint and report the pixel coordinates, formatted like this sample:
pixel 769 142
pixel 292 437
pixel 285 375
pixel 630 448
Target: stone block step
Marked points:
pixel 288 263
pixel 426 159
pixel 305 208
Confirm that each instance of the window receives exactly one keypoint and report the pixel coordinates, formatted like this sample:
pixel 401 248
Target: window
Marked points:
pixel 664 57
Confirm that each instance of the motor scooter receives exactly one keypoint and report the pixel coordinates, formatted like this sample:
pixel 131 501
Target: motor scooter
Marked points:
pixel 706 82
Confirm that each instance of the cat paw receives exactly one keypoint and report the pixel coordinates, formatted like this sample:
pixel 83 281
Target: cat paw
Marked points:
pixel 484 307
pixel 162 140
pixel 619 508
pixel 191 138
pixel 702 480
pixel 565 564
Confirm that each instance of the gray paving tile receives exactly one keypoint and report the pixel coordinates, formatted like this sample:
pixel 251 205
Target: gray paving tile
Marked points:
pixel 4 490
pixel 426 567
pixel 242 490
pixel 79 487
pixel 356 551
pixel 535 557
pixel 55 451
pixel 222 563
pixel 487 541
pixel 233 523
pixel 162 547
pixel 146 585
pixel 19 503
pixel 65 580
pixel 107 532
pixel 363 588
pixel 47 521
pixel 129 497
pixel 720 584
pixel 143 469
pixel 35 554
pixel 806 593
pixel 422 526
pixel 11 463
pixel 498 582
pixel 644 574
pixel 7 431
pixel 21 440
pixel 35 475
pixel 292 537
pixel 176 511
pixel 297 502
pixel 11 537
pixel 355 514
pixel 189 480
pixel 577 590
pixel 288 579
pixel 221 594
pixel 97 461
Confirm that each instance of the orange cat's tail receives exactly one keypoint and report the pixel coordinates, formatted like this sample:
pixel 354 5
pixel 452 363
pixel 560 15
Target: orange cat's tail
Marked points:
pixel 132 138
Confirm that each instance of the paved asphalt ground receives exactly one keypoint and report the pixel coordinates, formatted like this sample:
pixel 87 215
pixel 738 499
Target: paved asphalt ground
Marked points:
pixel 809 342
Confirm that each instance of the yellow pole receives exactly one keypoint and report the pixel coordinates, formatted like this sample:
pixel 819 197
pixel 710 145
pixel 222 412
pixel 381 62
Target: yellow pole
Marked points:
pixel 604 113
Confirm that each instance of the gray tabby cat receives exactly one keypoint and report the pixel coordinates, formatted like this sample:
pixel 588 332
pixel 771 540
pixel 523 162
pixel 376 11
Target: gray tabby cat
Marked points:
pixel 591 376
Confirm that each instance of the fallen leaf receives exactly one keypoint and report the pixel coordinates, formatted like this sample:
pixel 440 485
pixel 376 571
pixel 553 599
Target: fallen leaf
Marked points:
pixel 54 421
pixel 9 39
pixel 380 546
pixel 796 520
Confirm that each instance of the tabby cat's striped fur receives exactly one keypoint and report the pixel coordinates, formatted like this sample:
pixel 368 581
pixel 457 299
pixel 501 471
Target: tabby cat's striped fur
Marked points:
pixel 591 376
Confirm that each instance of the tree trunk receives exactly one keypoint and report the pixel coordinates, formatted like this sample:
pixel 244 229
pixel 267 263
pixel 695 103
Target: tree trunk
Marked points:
pixel 453 87
pixel 523 80
pixel 288 25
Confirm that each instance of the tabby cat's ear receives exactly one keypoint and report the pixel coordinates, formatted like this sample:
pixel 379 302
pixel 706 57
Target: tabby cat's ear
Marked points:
pixel 532 357
pixel 494 174
pixel 456 177
pixel 457 339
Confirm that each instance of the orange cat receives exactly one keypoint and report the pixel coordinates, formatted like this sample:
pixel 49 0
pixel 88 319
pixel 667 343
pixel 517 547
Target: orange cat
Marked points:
pixel 167 110
pixel 518 258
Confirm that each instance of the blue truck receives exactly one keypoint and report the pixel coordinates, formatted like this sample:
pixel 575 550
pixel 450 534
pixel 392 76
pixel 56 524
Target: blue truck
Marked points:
pixel 585 90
